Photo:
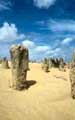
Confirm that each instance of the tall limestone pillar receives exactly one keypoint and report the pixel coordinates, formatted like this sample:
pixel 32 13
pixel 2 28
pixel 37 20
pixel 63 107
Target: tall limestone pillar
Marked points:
pixel 19 62
pixel 72 76
pixel 72 79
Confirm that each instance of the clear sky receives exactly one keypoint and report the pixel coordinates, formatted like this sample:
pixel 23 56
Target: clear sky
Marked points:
pixel 46 27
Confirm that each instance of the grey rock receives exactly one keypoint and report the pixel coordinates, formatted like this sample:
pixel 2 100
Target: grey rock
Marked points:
pixel 20 66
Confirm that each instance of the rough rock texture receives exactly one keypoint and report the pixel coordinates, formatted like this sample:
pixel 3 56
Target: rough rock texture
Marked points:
pixel 5 63
pixel 19 60
pixel 72 80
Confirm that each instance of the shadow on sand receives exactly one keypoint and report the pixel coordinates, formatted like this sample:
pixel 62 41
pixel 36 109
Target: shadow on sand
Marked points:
pixel 27 85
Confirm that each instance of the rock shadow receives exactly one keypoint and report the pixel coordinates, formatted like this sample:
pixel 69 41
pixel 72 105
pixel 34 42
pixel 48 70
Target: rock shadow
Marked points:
pixel 26 85
pixel 30 83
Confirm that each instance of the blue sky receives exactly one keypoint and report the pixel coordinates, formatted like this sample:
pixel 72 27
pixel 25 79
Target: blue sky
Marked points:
pixel 46 27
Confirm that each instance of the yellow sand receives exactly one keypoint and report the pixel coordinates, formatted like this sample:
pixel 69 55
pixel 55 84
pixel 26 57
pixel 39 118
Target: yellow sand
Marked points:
pixel 48 99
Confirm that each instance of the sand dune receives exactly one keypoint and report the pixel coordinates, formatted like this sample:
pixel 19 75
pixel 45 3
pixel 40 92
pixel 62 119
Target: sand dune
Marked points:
pixel 48 99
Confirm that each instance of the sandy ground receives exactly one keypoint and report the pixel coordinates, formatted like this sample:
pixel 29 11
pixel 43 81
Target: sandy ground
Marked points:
pixel 48 99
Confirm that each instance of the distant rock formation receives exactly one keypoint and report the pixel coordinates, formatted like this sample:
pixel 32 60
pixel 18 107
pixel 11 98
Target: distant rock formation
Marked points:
pixel 45 65
pixel 4 63
pixel 49 63
pixel 20 66
pixel 61 65
pixel 54 62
